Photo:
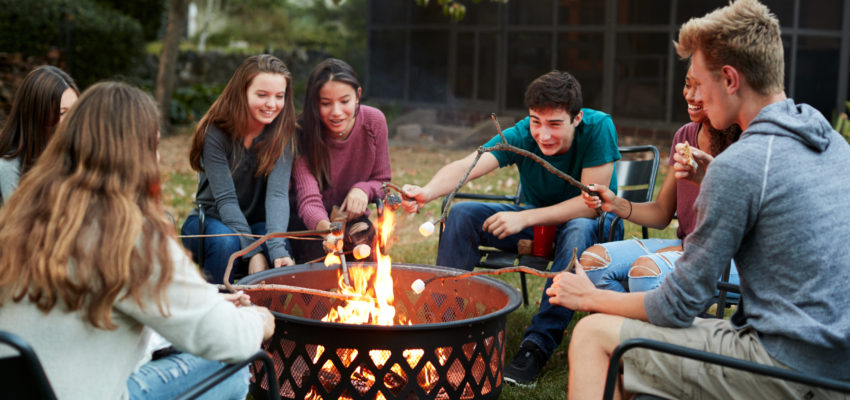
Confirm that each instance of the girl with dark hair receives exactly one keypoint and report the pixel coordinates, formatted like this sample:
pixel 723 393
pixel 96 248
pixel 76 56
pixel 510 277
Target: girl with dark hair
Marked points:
pixel 640 265
pixel 91 267
pixel 242 149
pixel 343 157
pixel 40 103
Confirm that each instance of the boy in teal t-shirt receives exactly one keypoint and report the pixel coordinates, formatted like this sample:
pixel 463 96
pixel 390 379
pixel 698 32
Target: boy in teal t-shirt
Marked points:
pixel 579 142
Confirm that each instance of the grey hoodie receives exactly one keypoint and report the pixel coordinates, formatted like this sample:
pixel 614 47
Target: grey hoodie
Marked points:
pixel 775 201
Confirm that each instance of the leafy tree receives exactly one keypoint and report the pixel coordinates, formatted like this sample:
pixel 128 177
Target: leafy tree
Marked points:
pixel 452 8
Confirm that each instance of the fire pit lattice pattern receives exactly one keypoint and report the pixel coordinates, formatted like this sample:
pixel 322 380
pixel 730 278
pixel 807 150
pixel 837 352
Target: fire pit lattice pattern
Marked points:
pixel 452 348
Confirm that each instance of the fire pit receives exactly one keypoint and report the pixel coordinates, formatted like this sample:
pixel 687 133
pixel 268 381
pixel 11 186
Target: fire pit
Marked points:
pixel 450 345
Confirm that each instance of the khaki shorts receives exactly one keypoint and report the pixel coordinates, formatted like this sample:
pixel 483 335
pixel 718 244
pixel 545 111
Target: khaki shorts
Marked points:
pixel 668 376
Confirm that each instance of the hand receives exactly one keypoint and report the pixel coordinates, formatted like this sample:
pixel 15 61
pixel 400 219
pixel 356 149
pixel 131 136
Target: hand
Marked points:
pixel 355 203
pixel 258 263
pixel 414 198
pixel 239 299
pixel 503 224
pixel 572 291
pixel 683 170
pixel 268 321
pixel 283 261
pixel 605 199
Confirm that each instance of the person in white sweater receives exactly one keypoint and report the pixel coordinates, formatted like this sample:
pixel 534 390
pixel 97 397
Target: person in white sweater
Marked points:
pixel 91 265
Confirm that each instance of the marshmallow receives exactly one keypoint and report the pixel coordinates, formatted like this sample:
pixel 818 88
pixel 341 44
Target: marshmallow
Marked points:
pixel 362 251
pixel 426 229
pixel 418 286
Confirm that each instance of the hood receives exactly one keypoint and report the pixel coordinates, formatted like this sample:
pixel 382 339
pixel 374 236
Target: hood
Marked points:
pixel 800 122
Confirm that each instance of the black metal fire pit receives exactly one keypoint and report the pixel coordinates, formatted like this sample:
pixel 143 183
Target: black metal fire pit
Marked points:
pixel 453 349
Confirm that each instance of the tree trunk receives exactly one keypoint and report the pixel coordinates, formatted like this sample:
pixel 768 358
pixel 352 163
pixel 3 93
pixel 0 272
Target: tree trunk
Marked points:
pixel 166 75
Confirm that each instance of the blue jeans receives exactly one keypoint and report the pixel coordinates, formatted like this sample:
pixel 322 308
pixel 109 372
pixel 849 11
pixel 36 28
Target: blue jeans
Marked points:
pixel 625 252
pixel 170 376
pixel 463 234
pixel 217 250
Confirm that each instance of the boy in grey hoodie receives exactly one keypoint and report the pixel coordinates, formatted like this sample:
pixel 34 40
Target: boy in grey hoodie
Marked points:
pixel 767 202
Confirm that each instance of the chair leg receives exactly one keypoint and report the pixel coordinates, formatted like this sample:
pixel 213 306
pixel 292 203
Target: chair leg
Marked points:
pixel 524 289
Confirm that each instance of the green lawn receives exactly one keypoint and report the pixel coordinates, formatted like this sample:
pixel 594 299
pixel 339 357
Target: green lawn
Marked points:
pixel 416 165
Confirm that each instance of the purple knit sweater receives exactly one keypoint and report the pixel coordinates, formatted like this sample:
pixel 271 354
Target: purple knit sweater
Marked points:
pixel 362 160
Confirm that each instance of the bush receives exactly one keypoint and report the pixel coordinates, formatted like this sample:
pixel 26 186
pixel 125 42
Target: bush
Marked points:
pixel 189 103
pixel 842 124
pixel 98 42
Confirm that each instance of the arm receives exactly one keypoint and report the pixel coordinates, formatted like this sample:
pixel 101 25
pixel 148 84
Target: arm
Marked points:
pixel 577 292
pixel 506 223
pixel 277 207
pixel 357 200
pixel 217 171
pixel 447 178
pixel 200 321
pixel 311 210
pixel 654 214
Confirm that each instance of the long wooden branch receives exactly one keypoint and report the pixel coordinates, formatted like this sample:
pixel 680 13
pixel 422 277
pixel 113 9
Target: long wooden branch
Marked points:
pixel 297 289
pixel 505 146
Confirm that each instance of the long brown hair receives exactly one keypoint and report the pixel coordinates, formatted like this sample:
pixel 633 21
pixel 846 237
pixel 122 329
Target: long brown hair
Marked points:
pixel 86 227
pixel 34 115
pixel 312 141
pixel 230 113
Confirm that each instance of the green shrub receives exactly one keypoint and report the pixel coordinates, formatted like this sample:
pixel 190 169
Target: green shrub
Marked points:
pixel 189 103
pixel 99 42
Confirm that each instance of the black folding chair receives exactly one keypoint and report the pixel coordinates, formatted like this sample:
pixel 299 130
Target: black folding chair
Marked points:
pixel 636 173
pixel 22 376
pixel 713 358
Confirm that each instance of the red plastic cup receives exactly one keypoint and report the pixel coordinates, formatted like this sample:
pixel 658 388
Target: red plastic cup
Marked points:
pixel 544 240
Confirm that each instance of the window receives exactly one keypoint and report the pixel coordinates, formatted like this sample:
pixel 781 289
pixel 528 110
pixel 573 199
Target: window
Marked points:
pixel 581 55
pixel 640 75
pixel 530 12
pixel 643 12
pixel 529 56
pixel 578 12
pixel 386 64
pixel 429 51
pixel 817 57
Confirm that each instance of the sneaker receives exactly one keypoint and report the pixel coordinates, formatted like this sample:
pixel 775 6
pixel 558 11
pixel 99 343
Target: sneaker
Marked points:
pixel 527 363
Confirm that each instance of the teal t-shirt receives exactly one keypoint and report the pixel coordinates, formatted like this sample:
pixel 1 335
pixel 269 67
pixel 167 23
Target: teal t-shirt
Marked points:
pixel 594 144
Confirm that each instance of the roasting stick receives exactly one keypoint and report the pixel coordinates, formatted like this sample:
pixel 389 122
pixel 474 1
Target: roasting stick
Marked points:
pixel 262 240
pixel 419 285
pixel 297 289
pixel 505 146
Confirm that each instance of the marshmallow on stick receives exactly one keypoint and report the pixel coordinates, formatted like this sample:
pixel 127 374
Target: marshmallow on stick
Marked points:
pixel 426 229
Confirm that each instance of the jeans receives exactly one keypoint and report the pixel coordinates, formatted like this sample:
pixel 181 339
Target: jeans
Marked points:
pixel 624 253
pixel 170 376
pixel 463 234
pixel 217 250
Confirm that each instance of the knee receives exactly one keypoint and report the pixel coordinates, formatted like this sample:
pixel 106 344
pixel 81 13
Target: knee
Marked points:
pixel 595 330
pixel 595 257
pixel 644 267
pixel 226 244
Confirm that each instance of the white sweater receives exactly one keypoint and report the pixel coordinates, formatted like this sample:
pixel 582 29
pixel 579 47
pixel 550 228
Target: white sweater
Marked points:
pixel 83 362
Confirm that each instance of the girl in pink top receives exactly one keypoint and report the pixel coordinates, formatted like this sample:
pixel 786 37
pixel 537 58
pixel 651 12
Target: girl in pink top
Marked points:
pixel 640 265
pixel 343 158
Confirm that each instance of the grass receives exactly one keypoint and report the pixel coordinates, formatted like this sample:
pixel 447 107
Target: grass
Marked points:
pixel 416 165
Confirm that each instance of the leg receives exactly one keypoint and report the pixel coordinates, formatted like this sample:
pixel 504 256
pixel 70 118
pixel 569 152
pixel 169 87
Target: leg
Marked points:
pixel 167 377
pixel 547 326
pixel 217 250
pixel 463 234
pixel 303 251
pixel 649 271
pixel 594 339
pixel 608 264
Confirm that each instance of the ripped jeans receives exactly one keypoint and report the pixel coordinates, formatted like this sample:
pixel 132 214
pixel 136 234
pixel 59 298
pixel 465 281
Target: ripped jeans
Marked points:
pixel 618 274
pixel 170 376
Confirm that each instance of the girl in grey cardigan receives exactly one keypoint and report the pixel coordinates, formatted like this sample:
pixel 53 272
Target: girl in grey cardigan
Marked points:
pixel 242 150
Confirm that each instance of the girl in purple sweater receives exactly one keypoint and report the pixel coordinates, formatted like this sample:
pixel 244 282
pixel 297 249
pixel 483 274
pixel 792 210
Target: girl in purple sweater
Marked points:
pixel 343 158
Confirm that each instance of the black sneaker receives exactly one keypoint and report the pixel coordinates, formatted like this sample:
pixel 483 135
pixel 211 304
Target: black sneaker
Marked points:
pixel 527 363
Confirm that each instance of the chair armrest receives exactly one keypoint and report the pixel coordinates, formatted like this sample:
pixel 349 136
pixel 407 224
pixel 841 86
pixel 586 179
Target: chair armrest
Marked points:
pixel 713 358
pixel 230 369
